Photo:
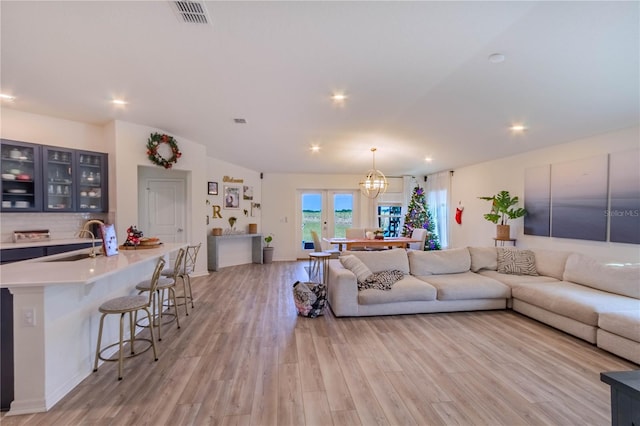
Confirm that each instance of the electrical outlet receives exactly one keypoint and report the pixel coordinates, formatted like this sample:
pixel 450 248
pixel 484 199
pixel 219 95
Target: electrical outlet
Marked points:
pixel 29 317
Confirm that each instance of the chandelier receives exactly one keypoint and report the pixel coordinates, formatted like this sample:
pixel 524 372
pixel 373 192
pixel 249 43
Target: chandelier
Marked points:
pixel 375 183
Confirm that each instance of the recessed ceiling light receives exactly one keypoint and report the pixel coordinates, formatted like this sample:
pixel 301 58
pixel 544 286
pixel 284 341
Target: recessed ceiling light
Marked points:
pixel 7 97
pixel 428 159
pixel 496 58
pixel 518 128
pixel 119 102
pixel 315 148
pixel 339 97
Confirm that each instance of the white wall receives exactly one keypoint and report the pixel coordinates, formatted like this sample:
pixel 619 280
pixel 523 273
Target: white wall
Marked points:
pixel 130 152
pixel 235 251
pixel 279 208
pixel 486 179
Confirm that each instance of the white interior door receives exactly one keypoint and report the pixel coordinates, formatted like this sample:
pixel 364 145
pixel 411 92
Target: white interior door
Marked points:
pixel 165 210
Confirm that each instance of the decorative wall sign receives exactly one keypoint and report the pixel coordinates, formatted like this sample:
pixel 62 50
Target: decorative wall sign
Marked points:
pixel 229 179
pixel 216 212
pixel 231 197
pixel 212 188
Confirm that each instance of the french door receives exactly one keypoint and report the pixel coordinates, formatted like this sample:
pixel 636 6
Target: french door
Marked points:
pixel 329 213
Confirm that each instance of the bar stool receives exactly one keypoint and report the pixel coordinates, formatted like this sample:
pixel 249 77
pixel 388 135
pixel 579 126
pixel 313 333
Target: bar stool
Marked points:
pixel 164 284
pixel 130 305
pixel 189 265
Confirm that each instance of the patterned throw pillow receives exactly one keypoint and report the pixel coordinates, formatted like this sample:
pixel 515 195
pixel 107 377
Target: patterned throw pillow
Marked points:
pixel 383 280
pixel 516 262
pixel 309 298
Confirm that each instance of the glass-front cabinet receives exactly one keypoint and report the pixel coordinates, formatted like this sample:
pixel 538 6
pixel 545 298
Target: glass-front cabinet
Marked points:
pixel 21 183
pixel 58 172
pixel 52 179
pixel 92 183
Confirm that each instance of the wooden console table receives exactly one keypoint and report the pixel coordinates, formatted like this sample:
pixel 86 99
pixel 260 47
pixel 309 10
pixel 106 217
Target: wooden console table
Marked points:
pixel 213 248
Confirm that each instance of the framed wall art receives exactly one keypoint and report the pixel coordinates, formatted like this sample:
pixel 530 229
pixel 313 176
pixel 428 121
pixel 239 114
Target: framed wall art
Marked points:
pixel 231 197
pixel 212 188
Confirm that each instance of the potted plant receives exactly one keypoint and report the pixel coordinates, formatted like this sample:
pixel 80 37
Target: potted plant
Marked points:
pixel 502 209
pixel 267 251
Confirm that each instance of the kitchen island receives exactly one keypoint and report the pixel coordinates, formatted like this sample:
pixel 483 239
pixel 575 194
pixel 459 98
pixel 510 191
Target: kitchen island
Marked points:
pixel 56 318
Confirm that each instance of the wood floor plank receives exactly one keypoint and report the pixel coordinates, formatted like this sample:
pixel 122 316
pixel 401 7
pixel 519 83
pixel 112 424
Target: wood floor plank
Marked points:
pixel 244 357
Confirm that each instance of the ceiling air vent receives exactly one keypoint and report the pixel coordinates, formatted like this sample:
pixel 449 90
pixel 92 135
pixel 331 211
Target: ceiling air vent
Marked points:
pixel 191 12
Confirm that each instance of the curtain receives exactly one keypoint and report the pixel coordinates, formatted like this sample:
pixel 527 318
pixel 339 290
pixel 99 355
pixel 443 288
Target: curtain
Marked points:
pixel 438 190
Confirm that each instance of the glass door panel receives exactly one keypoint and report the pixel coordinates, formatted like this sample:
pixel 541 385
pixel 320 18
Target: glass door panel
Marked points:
pixel 20 177
pixel 92 194
pixel 311 217
pixel 342 215
pixel 329 213
pixel 58 171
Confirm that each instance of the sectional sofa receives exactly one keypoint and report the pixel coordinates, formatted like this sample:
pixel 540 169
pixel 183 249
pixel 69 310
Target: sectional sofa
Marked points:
pixel 569 291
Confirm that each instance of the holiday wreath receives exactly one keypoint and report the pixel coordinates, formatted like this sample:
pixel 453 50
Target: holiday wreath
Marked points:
pixel 154 143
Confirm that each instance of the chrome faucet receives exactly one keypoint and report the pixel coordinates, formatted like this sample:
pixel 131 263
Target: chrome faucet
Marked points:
pixel 92 250
pixel 85 228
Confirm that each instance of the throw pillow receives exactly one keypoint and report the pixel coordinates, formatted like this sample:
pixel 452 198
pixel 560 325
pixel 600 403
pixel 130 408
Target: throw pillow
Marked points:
pixel 516 262
pixel 356 266
pixel 382 280
pixel 483 258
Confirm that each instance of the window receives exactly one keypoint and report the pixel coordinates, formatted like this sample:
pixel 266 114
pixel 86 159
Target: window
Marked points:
pixel 389 216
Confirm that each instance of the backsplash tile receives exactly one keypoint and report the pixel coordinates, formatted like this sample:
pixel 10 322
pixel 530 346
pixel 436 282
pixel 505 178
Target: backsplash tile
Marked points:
pixel 60 225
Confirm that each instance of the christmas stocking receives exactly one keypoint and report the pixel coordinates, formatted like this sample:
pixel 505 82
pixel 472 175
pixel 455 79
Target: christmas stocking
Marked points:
pixel 459 210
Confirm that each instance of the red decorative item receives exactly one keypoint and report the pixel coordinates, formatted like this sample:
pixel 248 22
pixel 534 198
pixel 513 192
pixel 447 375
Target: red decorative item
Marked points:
pixel 133 236
pixel 459 210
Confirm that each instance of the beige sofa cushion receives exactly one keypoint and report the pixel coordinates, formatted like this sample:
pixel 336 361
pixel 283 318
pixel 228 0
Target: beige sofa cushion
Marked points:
pixel 408 289
pixel 483 258
pixel 551 262
pixel 467 285
pixel 451 261
pixel 383 260
pixel 622 323
pixel 515 280
pixel 575 301
pixel 623 280
pixel 356 266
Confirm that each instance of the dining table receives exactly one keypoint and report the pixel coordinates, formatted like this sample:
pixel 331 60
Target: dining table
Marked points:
pixel 349 243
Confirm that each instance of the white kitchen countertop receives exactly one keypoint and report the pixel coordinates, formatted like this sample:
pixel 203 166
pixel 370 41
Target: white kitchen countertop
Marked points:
pixel 39 272
pixel 52 242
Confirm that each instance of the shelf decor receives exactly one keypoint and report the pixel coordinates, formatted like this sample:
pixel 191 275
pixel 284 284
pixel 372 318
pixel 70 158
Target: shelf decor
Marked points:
pixel 153 145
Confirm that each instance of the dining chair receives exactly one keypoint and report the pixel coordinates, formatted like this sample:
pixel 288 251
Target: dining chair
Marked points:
pixel 418 234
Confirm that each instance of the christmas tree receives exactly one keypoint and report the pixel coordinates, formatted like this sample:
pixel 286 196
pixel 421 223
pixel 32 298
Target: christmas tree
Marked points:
pixel 418 216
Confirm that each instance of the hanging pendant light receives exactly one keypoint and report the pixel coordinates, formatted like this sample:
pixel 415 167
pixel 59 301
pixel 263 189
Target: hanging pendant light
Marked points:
pixel 375 183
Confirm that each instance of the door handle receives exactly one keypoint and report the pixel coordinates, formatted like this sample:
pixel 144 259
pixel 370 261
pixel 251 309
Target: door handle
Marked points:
pixel 180 229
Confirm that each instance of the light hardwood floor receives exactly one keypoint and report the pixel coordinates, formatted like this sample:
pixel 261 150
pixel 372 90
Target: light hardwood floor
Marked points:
pixel 244 357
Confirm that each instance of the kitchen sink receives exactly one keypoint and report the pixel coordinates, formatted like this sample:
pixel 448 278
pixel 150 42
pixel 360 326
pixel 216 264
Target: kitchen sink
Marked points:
pixel 72 258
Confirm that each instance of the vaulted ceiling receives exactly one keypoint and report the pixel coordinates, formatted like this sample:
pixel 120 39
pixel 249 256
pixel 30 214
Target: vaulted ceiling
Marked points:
pixel 417 76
